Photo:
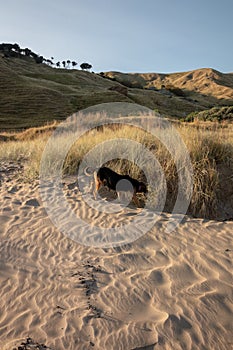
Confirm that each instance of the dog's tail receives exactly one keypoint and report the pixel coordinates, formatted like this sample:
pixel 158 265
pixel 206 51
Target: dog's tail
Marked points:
pixel 88 171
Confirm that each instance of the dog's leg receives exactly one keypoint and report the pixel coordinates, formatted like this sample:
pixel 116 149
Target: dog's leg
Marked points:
pixel 135 200
pixel 97 185
pixel 119 196
pixel 91 188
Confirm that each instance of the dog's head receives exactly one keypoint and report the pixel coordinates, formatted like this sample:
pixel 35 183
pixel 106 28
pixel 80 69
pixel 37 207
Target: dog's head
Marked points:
pixel 142 188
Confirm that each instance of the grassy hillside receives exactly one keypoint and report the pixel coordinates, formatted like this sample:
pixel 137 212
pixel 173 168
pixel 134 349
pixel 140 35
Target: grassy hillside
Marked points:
pixel 32 94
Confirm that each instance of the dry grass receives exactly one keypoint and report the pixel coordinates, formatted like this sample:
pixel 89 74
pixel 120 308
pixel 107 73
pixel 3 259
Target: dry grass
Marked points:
pixel 207 147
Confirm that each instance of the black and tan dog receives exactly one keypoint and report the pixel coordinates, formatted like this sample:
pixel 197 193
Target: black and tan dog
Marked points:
pixel 109 178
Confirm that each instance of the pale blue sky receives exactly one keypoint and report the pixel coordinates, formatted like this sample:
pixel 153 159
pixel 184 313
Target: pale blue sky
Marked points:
pixel 124 35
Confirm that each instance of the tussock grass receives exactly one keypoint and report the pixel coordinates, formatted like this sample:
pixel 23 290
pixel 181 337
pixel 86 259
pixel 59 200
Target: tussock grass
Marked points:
pixel 208 148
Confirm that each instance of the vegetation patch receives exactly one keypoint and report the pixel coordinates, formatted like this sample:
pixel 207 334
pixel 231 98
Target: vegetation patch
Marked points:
pixel 211 151
pixel 215 114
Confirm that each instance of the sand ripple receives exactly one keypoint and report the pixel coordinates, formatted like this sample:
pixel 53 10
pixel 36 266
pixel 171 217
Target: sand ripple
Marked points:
pixel 164 291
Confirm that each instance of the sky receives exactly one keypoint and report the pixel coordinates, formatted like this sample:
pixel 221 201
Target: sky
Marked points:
pixel 124 35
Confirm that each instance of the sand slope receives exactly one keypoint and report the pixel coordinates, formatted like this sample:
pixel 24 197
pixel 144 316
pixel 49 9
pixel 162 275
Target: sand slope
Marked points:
pixel 164 291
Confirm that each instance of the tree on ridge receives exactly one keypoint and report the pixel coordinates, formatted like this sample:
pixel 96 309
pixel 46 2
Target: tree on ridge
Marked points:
pixel 85 66
pixel 74 63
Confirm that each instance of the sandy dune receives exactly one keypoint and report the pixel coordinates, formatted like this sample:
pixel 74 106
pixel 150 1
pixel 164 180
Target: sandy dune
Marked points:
pixel 164 291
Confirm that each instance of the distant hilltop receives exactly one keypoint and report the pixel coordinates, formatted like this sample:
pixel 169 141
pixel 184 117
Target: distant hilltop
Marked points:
pixel 33 93
pixel 194 84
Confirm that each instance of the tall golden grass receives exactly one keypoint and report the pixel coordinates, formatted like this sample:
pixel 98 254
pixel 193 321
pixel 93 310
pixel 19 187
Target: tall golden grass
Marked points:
pixel 209 147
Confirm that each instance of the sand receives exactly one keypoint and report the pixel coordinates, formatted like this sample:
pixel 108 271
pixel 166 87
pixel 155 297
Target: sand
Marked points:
pixel 163 291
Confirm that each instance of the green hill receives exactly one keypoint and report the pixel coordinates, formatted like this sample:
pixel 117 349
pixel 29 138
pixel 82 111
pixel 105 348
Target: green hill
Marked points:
pixel 32 94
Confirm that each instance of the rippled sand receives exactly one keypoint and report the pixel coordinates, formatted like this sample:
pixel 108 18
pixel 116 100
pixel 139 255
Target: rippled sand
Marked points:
pixel 163 291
